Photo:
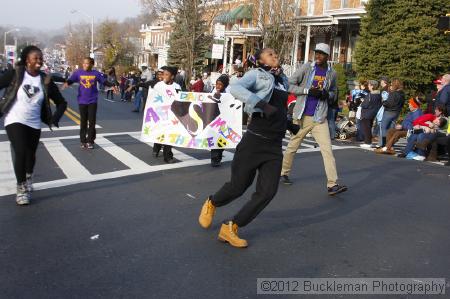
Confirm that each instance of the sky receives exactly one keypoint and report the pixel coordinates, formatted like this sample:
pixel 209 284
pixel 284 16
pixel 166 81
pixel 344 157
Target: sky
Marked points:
pixel 54 14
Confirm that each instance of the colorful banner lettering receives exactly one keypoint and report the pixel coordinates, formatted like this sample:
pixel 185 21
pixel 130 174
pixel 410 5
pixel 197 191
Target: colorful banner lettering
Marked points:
pixel 191 119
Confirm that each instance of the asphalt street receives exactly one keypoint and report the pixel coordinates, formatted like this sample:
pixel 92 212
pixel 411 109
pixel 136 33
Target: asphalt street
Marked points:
pixel 120 233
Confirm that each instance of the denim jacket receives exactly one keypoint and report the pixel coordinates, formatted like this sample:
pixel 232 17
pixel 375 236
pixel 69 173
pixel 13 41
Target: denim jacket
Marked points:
pixel 256 85
pixel 300 83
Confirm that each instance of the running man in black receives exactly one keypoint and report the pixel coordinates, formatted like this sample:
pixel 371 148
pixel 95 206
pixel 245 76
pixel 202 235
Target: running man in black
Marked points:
pixel 264 92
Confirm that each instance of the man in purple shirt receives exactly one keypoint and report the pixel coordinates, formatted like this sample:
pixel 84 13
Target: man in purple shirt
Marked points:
pixel 87 99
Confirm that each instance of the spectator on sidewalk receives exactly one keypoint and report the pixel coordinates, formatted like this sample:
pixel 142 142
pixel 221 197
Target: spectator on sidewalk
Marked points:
pixel 401 130
pixel 112 79
pixel 392 108
pixel 384 83
pixel 208 85
pixel 424 130
pixel 357 107
pixel 122 85
pixel 369 108
pixel 198 85
pixel 443 96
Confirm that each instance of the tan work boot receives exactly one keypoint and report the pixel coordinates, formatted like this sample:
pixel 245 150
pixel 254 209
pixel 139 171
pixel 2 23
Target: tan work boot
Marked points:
pixel 207 214
pixel 229 233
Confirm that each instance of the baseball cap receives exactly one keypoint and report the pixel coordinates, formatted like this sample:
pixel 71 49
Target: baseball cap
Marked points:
pixel 324 48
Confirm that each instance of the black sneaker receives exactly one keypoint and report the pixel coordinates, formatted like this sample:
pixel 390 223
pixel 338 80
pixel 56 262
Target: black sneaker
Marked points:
pixel 155 154
pixel 401 155
pixel 336 189
pixel 90 146
pixel 215 163
pixel 169 161
pixel 83 145
pixel 285 180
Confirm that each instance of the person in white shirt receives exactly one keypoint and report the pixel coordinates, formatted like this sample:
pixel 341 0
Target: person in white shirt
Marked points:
pixel 25 105
pixel 168 76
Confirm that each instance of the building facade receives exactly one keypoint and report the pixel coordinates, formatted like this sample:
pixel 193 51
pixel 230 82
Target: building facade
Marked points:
pixel 154 42
pixel 334 22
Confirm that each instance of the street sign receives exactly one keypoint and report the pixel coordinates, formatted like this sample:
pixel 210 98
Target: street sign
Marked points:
pixel 219 32
pixel 217 51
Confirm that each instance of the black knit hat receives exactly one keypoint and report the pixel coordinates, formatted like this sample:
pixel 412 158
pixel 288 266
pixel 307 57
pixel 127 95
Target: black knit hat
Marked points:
pixel 171 69
pixel 224 79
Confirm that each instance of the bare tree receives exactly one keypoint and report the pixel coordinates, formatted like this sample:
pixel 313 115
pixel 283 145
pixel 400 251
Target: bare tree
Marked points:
pixel 77 43
pixel 276 22
pixel 191 36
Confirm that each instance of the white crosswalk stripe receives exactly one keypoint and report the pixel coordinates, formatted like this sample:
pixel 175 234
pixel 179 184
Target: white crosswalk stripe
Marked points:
pixel 75 172
pixel 54 129
pixel 65 160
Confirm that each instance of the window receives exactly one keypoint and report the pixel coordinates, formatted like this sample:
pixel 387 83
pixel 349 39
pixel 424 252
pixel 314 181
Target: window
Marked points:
pixel 326 5
pixel 345 4
pixel 311 7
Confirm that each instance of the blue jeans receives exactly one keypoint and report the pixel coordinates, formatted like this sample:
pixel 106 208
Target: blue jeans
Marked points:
pixel 418 138
pixel 331 117
pixel 137 100
pixel 388 121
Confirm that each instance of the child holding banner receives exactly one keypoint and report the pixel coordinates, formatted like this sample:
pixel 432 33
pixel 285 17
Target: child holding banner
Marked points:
pixel 221 86
pixel 264 92
pixel 167 82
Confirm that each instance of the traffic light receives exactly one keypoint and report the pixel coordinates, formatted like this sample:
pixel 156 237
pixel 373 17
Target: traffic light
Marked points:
pixel 444 24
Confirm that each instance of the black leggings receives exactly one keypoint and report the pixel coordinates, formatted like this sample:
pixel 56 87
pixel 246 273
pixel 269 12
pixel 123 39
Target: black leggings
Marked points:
pixel 110 92
pixel 87 113
pixel 24 142
pixel 253 154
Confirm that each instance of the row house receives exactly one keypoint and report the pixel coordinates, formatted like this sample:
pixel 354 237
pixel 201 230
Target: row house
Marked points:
pixel 154 42
pixel 335 22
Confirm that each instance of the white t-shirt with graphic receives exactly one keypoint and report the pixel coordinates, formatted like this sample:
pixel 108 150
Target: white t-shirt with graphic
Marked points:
pixel 27 107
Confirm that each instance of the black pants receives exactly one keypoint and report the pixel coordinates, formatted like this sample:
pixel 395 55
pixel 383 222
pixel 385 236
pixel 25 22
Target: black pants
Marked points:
pixel 216 155
pixel 253 154
pixel 110 92
pixel 366 128
pixel 167 150
pixel 24 142
pixel 88 113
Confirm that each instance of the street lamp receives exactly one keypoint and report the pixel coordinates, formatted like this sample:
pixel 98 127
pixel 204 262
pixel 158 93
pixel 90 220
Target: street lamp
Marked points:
pixel 92 28
pixel 4 43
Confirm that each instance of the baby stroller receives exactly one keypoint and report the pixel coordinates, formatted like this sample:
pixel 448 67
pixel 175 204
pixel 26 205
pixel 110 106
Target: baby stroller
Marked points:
pixel 345 128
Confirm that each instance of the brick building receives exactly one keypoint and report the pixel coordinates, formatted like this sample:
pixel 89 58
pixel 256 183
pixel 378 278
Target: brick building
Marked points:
pixel 154 42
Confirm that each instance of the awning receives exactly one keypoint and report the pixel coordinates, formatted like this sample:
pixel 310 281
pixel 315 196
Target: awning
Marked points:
pixel 246 13
pixel 242 12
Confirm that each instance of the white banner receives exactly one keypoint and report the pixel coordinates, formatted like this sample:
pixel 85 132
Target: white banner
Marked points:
pixel 191 119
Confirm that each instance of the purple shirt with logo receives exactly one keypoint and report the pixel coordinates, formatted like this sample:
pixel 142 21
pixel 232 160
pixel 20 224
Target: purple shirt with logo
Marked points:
pixel 318 81
pixel 87 91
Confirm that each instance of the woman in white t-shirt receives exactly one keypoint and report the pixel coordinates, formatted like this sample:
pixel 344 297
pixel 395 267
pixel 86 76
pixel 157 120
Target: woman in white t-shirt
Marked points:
pixel 25 105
